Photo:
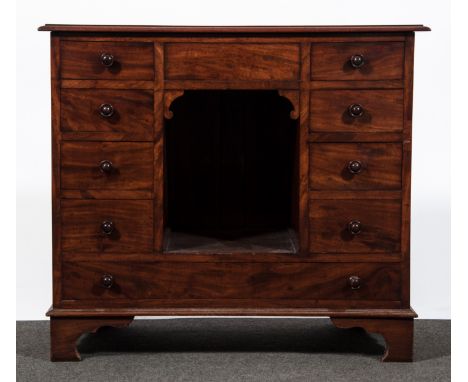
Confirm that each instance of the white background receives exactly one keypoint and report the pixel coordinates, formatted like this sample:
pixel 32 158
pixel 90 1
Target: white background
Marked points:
pixel 430 290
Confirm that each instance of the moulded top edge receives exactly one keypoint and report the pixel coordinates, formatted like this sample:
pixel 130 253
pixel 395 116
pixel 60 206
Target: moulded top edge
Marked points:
pixel 292 29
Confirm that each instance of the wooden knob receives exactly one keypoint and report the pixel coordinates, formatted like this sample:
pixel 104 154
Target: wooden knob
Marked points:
pixel 107 59
pixel 106 110
pixel 107 281
pixel 354 227
pixel 357 60
pixel 106 166
pixel 354 167
pixel 355 110
pixel 354 282
pixel 107 227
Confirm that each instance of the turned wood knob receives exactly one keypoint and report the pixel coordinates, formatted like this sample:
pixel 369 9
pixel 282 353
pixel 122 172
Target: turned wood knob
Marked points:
pixel 105 166
pixel 355 110
pixel 106 110
pixel 107 281
pixel 354 227
pixel 354 167
pixel 354 282
pixel 357 60
pixel 107 227
pixel 107 59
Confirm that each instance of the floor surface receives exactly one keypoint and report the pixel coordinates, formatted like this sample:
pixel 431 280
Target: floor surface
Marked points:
pixel 233 349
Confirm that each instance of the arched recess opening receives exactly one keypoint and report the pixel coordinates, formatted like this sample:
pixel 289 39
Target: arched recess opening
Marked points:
pixel 231 165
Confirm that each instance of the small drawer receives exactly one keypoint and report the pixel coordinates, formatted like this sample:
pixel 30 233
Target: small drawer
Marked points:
pixel 357 61
pixel 232 61
pixel 354 226
pixel 107 60
pixel 110 226
pixel 356 111
pixel 355 166
pixel 106 166
pixel 116 280
pixel 107 111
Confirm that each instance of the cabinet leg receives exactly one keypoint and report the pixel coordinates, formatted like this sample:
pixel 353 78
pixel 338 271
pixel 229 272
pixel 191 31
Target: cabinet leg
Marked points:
pixel 398 334
pixel 65 332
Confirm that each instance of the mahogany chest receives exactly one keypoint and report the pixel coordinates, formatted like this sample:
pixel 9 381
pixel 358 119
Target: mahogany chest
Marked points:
pixel 231 171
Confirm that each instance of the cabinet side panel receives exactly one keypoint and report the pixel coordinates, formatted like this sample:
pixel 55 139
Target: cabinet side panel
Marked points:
pixel 304 150
pixel 406 170
pixel 55 93
pixel 158 162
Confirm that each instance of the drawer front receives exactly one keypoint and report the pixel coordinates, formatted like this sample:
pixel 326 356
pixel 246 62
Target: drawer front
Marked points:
pixel 180 280
pixel 106 166
pixel 232 61
pixel 376 225
pixel 107 111
pixel 110 226
pixel 123 60
pixel 356 110
pixel 355 166
pixel 379 61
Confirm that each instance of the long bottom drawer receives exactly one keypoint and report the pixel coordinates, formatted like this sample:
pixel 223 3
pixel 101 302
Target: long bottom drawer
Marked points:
pixel 108 280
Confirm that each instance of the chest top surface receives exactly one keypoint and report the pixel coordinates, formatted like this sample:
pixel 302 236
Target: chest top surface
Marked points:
pixel 229 30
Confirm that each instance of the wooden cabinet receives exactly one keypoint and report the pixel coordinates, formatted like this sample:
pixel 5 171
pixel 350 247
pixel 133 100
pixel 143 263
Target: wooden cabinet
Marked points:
pixel 231 171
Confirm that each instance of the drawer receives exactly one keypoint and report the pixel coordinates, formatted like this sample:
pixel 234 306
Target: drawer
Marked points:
pixel 107 166
pixel 372 61
pixel 99 280
pixel 356 111
pixel 376 225
pixel 107 60
pixel 107 111
pixel 110 226
pixel 355 166
pixel 231 61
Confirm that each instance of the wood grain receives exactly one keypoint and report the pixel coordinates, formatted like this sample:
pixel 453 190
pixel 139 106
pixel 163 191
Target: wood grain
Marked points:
pixel 230 281
pixel 230 84
pixel 133 112
pixel 106 84
pixel 353 85
pixel 259 311
pixel 106 195
pixel 381 166
pixel 256 257
pixel 382 61
pixel 65 332
pixel 132 166
pixel 380 219
pixel 351 136
pixel 383 111
pixel 302 154
pixel 184 30
pixel 232 61
pixel 159 171
pixel 82 60
pixel 81 221
pixel 398 335
pixel 55 148
pixel 216 305
pixel 406 171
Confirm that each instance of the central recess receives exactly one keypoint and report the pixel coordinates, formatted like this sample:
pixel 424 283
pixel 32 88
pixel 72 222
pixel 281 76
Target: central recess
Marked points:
pixel 231 173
